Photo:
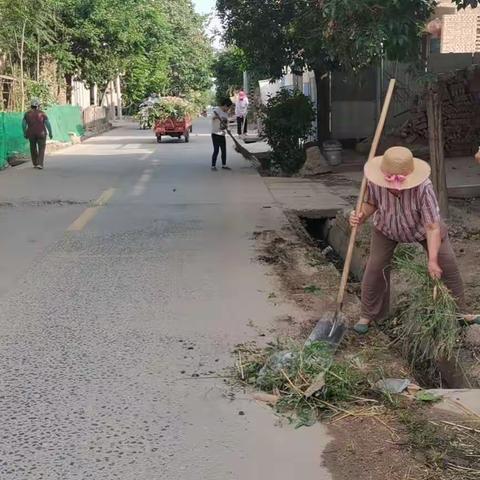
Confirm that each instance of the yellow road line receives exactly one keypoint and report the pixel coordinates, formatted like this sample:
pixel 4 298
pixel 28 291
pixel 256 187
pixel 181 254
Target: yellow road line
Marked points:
pixel 104 197
pixel 89 214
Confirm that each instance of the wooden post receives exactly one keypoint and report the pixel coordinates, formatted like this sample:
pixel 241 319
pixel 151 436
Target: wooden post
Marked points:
pixel 437 157
pixel 322 81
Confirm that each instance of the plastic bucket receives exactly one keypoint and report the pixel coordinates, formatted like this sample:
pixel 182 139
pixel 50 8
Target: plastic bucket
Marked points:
pixel 332 149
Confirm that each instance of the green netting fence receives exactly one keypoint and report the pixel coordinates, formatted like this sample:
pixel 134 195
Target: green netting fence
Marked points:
pixel 65 119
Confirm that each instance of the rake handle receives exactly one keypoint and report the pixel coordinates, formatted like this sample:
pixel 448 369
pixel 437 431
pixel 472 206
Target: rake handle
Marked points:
pixel 363 188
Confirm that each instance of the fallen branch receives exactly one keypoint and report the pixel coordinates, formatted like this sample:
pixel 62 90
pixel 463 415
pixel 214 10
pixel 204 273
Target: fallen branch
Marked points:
pixel 266 398
pixel 462 427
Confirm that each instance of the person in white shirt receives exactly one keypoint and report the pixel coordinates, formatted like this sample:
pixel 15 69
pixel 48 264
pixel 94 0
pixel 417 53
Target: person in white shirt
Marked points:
pixel 219 129
pixel 241 110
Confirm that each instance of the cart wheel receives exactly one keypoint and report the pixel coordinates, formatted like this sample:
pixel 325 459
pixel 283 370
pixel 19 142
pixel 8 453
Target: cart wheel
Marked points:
pixel 159 139
pixel 187 136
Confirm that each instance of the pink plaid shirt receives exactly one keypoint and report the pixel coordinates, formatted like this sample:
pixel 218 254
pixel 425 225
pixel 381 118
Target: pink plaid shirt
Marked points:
pixel 404 218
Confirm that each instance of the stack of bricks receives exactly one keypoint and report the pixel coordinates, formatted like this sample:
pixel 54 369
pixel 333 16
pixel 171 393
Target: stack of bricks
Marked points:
pixel 461 118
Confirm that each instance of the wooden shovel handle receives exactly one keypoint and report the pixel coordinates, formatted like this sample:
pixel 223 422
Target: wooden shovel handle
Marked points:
pixel 353 235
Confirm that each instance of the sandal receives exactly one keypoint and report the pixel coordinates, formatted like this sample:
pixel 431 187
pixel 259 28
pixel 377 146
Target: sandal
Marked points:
pixel 361 328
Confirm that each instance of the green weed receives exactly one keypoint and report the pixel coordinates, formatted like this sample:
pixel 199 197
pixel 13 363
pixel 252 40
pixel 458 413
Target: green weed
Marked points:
pixel 428 316
pixel 313 289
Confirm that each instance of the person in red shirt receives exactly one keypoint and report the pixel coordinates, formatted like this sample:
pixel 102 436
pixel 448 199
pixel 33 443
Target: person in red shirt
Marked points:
pixel 35 128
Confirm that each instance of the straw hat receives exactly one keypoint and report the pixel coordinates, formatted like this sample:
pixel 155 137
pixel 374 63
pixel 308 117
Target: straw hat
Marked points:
pixel 397 169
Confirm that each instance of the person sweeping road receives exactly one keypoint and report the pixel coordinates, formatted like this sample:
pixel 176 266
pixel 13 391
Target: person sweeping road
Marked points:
pixel 35 127
pixel 401 198
pixel 219 130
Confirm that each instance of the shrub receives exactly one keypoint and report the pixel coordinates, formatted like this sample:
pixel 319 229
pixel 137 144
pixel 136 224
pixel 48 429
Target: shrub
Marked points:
pixel 288 118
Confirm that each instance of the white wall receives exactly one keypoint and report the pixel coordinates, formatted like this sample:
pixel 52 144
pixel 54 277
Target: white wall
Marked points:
pixel 80 94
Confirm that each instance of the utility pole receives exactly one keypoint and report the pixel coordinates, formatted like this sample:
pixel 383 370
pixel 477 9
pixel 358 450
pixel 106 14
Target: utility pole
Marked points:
pixel 245 82
pixel 95 95
pixel 119 97
pixel 111 103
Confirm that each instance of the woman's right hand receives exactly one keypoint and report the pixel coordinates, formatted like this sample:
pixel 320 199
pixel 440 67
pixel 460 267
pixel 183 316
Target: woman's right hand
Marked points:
pixel 356 220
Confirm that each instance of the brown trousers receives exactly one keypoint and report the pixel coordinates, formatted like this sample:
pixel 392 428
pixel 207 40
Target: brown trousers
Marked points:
pixel 376 279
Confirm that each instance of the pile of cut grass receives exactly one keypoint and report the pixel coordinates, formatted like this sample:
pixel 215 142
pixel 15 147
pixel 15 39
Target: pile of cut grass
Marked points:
pixel 427 320
pixel 290 370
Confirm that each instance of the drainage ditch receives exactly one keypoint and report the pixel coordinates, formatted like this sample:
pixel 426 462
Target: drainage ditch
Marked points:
pixel 317 228
pixel 331 236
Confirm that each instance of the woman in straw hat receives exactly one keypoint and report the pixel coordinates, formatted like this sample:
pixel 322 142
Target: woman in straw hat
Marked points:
pixel 401 198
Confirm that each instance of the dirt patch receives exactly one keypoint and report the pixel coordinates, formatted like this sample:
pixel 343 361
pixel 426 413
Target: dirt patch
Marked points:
pixel 306 277
pixel 412 444
pixel 366 449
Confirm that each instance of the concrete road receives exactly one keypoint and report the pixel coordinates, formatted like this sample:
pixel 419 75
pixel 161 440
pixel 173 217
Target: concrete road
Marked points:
pixel 126 278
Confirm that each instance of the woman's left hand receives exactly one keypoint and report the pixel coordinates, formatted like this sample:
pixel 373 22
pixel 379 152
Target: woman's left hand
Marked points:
pixel 435 270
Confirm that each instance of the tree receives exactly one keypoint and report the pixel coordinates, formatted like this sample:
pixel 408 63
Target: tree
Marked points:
pixel 156 45
pixel 190 53
pixel 324 35
pixel 288 118
pixel 26 27
pixel 102 36
pixel 228 69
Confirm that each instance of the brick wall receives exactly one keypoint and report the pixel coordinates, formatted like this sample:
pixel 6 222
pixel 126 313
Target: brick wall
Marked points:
pixel 460 33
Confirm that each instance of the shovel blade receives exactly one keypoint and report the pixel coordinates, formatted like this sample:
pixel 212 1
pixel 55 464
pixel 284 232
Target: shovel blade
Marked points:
pixel 330 328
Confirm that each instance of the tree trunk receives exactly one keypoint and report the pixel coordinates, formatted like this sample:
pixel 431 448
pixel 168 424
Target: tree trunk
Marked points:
pixel 22 67
pixel 437 157
pixel 68 88
pixel 298 81
pixel 322 81
pixel 38 57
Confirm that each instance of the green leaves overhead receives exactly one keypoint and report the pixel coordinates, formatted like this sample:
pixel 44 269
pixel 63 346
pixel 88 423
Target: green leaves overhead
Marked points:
pixel 319 34
pixel 228 70
pixel 156 45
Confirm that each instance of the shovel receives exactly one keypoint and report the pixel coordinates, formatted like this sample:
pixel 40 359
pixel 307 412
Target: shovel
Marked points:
pixel 332 326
